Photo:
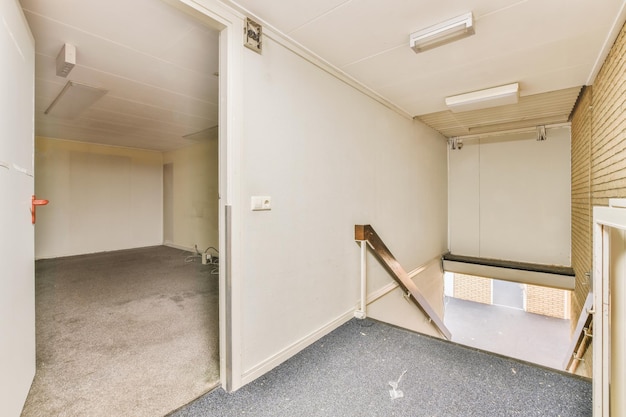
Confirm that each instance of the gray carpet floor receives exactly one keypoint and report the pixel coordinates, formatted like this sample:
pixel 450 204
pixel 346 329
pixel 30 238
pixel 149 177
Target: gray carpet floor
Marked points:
pixel 347 373
pixel 125 333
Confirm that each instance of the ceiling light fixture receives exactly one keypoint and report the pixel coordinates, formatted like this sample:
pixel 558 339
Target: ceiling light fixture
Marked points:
pixel 66 60
pixel 483 99
pixel 74 99
pixel 442 33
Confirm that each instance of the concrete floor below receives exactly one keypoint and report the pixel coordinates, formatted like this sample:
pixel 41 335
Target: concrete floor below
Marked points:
pixel 508 331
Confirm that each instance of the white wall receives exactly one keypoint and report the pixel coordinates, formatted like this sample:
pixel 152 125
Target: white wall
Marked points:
pixel 17 283
pixel 194 196
pixel 102 198
pixel 394 308
pixel 510 198
pixel 330 158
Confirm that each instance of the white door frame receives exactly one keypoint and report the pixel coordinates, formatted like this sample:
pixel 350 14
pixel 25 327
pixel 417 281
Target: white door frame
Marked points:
pixel 604 219
pixel 230 24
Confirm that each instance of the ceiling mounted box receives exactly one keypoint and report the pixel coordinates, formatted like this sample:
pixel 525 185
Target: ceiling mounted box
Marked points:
pixel 66 60
pixel 442 33
pixel 484 99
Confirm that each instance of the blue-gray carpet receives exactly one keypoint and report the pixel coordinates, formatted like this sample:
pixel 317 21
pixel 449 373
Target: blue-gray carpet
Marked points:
pixel 347 373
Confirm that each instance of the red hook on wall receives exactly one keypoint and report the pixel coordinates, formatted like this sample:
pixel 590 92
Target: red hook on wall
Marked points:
pixel 33 207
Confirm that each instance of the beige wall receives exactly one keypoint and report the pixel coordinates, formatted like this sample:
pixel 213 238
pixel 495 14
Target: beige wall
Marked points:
pixel 330 157
pixel 508 196
pixel 102 198
pixel 598 161
pixel 194 196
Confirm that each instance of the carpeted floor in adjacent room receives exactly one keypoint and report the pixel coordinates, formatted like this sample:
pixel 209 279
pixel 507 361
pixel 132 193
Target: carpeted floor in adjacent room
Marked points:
pixel 125 333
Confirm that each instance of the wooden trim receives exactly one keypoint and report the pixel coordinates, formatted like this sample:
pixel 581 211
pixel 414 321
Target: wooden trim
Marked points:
pixel 397 272
pixel 522 266
pixel 360 233
pixel 563 282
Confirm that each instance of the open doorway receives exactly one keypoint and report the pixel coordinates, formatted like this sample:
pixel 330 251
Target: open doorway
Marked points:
pixel 104 268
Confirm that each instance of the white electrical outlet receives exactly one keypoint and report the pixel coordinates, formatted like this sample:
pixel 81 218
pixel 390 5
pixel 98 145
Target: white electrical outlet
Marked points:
pixel 261 202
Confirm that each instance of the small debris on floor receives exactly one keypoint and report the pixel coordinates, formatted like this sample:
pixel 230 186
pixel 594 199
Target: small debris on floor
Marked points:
pixel 394 391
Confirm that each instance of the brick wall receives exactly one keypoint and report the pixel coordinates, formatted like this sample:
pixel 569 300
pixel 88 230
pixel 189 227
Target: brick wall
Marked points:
pixel 608 127
pixel 581 202
pixel 599 124
pixel 546 301
pixel 467 287
pixel 539 300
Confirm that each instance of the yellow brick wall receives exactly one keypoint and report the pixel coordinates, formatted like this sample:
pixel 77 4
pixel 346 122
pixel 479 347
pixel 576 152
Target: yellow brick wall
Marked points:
pixel 599 123
pixel 545 301
pixel 608 127
pixel 467 287
pixel 581 201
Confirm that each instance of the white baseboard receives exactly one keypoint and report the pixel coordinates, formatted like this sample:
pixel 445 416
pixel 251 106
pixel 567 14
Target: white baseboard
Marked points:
pixel 175 246
pixel 273 361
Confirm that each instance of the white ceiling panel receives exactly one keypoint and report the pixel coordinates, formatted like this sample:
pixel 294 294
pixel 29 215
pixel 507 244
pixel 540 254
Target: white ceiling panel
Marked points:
pixel 160 65
pixel 380 26
pixel 196 50
pixel 147 26
pixel 289 15
pixel 135 91
pixel 545 46
pixel 567 57
pixel 95 52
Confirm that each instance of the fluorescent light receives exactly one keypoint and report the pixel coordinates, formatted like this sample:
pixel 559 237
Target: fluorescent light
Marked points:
pixel 73 99
pixel 483 99
pixel 442 33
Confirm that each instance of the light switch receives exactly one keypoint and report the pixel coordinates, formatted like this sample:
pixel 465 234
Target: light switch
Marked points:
pixel 261 203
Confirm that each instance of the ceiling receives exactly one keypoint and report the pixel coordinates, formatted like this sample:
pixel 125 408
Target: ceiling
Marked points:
pixel 160 66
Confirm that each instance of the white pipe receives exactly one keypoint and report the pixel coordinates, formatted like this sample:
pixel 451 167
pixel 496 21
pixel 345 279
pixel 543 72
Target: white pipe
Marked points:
pixel 361 313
